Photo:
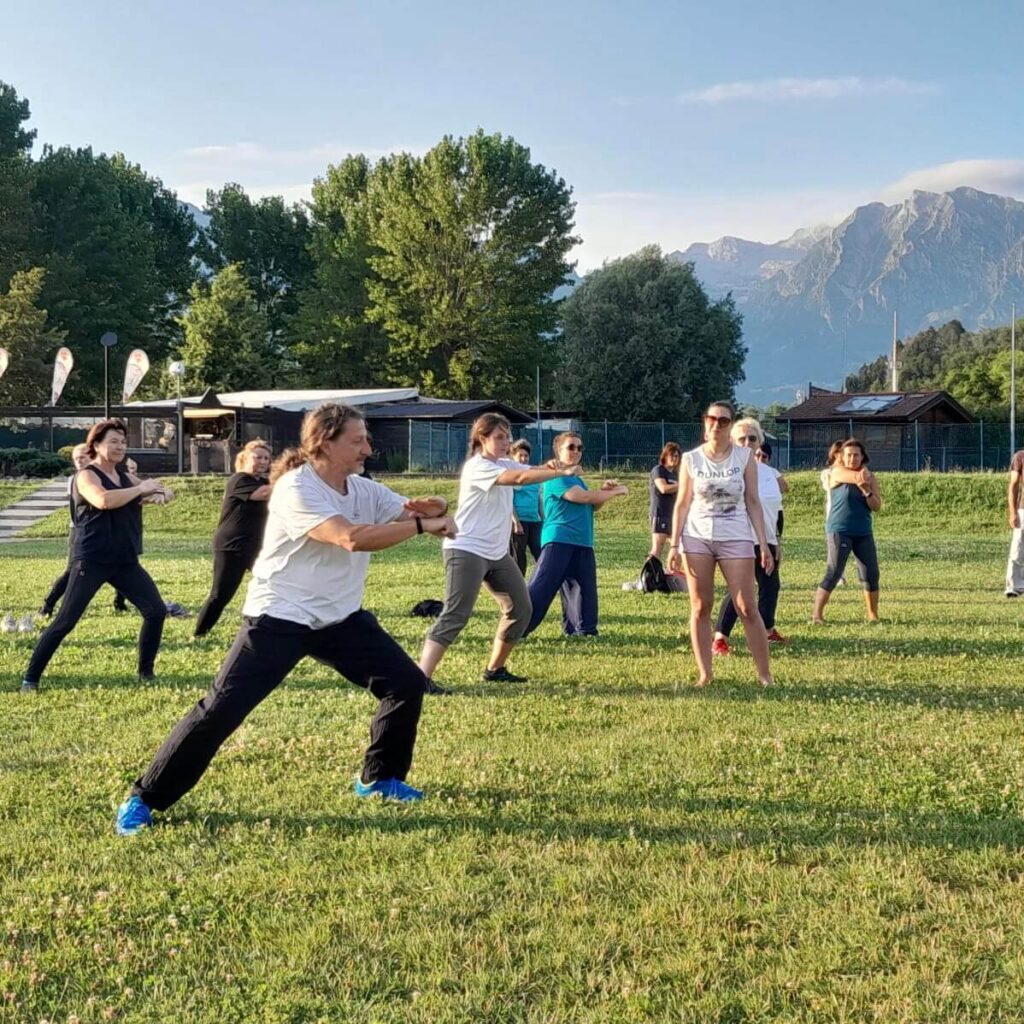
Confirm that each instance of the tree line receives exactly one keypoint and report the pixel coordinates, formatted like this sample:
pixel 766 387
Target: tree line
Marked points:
pixel 437 271
pixel 973 366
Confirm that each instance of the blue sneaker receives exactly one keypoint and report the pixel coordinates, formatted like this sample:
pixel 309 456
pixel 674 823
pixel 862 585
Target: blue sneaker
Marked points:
pixel 133 816
pixel 388 789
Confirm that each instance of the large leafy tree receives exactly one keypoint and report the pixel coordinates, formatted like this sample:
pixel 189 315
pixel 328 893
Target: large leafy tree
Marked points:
pixel 227 342
pixel 336 342
pixel 29 339
pixel 15 182
pixel 642 341
pixel 117 248
pixel 468 243
pixel 269 240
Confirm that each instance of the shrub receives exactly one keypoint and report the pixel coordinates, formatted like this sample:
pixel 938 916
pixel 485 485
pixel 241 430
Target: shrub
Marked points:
pixel 31 462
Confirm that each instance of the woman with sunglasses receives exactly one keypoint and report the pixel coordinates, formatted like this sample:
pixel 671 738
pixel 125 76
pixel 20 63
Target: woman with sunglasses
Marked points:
pixel 770 487
pixel 854 495
pixel 566 561
pixel 718 518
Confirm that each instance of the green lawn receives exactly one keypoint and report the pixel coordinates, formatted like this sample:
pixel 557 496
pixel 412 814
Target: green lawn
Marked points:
pixel 603 843
pixel 12 491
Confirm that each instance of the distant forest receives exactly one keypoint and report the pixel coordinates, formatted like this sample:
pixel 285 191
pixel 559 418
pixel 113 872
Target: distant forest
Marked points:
pixel 973 366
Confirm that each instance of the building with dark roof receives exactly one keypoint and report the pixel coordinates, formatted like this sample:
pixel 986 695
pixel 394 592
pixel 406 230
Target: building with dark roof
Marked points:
pixel 899 429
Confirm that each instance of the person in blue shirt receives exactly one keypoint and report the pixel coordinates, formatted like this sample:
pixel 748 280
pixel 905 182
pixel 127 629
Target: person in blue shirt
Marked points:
pixel 526 512
pixel 566 560
pixel 853 496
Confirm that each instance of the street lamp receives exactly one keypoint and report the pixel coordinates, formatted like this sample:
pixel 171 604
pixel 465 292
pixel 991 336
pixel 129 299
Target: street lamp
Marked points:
pixel 108 341
pixel 176 368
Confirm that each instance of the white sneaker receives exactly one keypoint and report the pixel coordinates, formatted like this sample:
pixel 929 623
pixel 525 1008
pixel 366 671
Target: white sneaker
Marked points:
pixel 8 624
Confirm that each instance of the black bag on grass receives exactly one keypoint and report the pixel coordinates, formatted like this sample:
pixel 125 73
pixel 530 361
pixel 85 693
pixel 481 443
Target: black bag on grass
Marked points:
pixel 652 577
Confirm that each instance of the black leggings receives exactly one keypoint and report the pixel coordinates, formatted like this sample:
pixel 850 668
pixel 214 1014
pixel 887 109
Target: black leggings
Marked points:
pixel 60 584
pixel 528 540
pixel 228 569
pixel 85 579
pixel 264 652
pixel 767 596
pixel 840 547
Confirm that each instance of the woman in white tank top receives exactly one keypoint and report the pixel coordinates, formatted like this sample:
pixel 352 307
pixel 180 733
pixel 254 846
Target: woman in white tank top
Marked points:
pixel 718 517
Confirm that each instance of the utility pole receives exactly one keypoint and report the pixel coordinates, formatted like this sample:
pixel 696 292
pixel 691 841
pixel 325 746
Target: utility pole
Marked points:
pixel 1013 378
pixel 895 365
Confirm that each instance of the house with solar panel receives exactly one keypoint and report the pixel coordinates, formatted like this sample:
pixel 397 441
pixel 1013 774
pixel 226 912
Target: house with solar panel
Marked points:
pixel 902 430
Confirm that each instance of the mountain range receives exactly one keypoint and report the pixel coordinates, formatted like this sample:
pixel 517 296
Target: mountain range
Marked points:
pixel 819 303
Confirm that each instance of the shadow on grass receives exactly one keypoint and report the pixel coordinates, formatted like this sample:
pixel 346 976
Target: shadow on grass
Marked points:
pixel 776 827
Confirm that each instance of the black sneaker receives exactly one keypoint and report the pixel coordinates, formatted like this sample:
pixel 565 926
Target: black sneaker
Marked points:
pixel 45 612
pixel 501 675
pixel 1013 593
pixel 435 690
pixel 147 677
pixel 27 686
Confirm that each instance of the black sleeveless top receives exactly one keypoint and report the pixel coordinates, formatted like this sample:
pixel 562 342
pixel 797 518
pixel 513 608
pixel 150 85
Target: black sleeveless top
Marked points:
pixel 110 536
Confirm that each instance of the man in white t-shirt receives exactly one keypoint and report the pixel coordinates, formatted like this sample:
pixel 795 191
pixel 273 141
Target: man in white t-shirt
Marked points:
pixel 305 599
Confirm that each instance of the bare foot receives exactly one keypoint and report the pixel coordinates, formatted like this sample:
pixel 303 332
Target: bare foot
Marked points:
pixel 767 682
pixel 817 622
pixel 701 683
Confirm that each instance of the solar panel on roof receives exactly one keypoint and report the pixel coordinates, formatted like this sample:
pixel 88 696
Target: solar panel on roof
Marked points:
pixel 868 403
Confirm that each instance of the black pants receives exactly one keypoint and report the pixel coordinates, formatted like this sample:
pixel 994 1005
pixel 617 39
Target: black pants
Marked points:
pixel 228 569
pixel 264 652
pixel 571 569
pixel 528 540
pixel 840 547
pixel 60 584
pixel 767 596
pixel 84 580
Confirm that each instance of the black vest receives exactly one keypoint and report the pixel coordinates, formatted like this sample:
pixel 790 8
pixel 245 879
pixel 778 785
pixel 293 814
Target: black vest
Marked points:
pixel 109 536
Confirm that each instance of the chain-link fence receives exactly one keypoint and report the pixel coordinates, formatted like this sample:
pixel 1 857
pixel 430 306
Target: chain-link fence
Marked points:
pixel 941 447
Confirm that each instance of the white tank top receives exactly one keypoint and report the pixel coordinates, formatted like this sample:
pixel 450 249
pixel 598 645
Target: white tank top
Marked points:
pixel 718 510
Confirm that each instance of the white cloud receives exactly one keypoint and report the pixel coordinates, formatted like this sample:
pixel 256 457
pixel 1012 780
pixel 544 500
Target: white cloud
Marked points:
pixel 781 90
pixel 253 153
pixel 1003 177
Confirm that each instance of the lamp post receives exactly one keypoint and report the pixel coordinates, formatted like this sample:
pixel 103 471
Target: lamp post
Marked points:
pixel 176 368
pixel 108 341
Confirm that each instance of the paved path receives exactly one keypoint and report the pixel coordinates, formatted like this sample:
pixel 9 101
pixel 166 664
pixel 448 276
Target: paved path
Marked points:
pixel 35 506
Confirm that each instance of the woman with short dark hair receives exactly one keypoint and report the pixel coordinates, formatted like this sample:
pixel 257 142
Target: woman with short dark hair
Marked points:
pixel 236 543
pixel 853 496
pixel 105 548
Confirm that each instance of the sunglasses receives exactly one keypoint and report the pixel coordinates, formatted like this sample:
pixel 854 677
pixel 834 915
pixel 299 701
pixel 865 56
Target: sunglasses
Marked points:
pixel 722 421
pixel 574 447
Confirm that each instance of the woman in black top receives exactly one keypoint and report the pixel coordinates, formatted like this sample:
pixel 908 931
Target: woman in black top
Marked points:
pixel 664 484
pixel 240 531
pixel 105 548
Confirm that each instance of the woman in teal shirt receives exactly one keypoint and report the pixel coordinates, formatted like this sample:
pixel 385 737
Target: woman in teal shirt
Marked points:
pixel 566 560
pixel 853 496
pixel 526 513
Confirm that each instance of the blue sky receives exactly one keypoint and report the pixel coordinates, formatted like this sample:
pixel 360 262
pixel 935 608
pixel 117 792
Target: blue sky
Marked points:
pixel 673 122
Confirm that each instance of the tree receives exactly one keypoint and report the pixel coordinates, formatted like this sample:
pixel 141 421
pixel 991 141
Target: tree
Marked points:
pixel 336 342
pixel 227 345
pixel 31 342
pixel 15 183
pixel 470 240
pixel 642 341
pixel 269 240
pixel 117 248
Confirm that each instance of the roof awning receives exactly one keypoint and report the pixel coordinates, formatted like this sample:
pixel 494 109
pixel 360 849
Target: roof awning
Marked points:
pixel 206 414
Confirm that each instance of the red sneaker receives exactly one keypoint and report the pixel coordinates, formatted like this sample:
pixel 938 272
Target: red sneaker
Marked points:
pixel 720 646
pixel 775 637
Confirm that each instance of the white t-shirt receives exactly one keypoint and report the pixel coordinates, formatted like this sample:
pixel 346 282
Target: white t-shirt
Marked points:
pixel 770 493
pixel 304 580
pixel 718 510
pixel 484 516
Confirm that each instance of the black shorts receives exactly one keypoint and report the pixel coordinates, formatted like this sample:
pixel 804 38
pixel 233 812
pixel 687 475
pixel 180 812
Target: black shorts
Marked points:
pixel 659 524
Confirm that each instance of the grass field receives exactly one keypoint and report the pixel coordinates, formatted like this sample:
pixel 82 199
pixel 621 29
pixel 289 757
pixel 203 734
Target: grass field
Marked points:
pixel 603 843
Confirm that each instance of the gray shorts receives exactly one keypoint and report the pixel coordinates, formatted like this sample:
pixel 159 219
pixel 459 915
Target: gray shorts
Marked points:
pixel 717 549
pixel 464 574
